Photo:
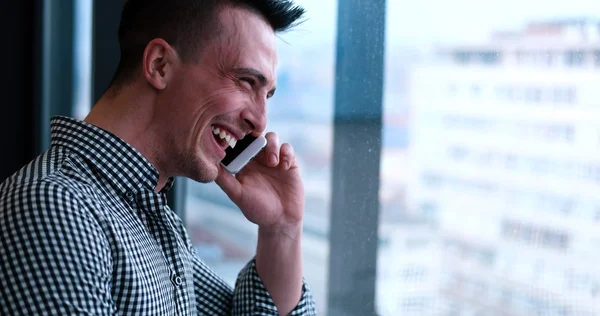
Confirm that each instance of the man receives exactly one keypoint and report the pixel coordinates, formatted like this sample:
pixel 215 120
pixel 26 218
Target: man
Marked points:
pixel 85 227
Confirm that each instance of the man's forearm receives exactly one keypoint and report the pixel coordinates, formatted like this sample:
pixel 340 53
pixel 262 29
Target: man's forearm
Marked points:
pixel 279 265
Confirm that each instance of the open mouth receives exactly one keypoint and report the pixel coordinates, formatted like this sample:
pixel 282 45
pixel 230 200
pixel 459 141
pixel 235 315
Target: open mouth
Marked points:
pixel 223 137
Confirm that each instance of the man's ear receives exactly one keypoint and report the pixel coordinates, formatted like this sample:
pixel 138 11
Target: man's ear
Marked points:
pixel 158 63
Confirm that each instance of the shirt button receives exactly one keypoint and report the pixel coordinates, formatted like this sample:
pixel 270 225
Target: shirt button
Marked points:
pixel 176 280
pixel 129 196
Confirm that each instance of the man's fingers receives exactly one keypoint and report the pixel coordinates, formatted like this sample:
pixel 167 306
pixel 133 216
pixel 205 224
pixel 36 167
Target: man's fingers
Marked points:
pixel 276 156
pixel 229 184
pixel 287 157
pixel 272 149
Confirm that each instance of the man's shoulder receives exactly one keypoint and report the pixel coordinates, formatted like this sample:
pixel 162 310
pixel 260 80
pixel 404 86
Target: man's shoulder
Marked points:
pixel 49 175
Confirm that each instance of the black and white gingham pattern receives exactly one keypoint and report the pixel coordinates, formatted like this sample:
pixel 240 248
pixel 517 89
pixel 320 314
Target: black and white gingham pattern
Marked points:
pixel 83 232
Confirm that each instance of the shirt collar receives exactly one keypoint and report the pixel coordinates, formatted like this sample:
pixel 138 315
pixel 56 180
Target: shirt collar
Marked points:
pixel 121 164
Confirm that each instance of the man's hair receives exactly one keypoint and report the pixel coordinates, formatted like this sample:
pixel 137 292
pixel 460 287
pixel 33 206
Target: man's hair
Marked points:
pixel 186 25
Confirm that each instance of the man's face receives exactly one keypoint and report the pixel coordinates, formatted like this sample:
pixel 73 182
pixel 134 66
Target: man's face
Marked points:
pixel 221 98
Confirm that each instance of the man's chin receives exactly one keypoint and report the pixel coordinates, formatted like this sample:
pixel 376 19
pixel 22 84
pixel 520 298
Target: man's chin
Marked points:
pixel 206 173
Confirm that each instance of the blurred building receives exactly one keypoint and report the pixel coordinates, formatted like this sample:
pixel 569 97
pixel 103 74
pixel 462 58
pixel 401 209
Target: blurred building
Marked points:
pixel 505 157
pixel 408 268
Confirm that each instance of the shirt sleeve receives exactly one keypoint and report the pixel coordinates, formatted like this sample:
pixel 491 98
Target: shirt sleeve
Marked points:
pixel 252 298
pixel 54 257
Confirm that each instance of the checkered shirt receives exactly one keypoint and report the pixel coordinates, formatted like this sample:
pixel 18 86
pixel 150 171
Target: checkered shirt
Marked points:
pixel 83 232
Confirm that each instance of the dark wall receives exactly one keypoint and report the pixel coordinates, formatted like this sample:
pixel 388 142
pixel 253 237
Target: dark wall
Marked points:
pixel 20 55
pixel 105 43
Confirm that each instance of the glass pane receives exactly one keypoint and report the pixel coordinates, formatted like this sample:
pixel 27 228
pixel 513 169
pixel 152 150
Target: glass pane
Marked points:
pixel 82 76
pixel 301 113
pixel 490 167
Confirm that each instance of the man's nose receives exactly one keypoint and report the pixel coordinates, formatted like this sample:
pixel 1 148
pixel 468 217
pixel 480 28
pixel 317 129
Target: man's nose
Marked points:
pixel 256 118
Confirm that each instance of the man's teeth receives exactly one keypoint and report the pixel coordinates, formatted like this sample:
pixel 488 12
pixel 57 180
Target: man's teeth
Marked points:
pixel 224 135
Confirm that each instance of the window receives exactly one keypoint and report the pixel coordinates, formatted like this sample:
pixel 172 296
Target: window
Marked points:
pixel 82 58
pixel 563 95
pixel 436 173
pixel 414 304
pixel 574 58
pixel 413 274
pixel 570 95
pixel 463 57
pixel 490 58
pixel 527 233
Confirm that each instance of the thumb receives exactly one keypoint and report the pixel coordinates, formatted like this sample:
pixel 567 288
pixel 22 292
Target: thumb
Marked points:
pixel 229 184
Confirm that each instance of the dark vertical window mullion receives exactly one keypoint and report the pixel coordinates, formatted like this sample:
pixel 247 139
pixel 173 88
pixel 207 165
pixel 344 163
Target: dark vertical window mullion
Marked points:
pixel 58 65
pixel 356 157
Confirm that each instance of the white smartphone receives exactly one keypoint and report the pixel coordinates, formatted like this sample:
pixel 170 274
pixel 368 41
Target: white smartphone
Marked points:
pixel 245 149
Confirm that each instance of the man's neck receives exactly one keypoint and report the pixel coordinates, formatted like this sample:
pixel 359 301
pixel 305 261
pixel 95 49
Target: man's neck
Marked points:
pixel 129 115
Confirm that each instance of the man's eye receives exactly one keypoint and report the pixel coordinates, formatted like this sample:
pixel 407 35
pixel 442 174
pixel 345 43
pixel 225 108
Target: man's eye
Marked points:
pixel 250 81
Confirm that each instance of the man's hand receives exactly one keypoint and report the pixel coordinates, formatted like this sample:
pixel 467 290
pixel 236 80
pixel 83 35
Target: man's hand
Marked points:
pixel 269 190
pixel 270 193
